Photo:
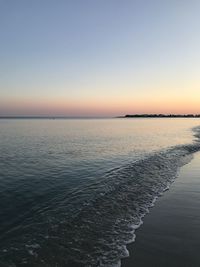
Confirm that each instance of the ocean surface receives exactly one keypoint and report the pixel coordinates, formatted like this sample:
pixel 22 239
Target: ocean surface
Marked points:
pixel 73 191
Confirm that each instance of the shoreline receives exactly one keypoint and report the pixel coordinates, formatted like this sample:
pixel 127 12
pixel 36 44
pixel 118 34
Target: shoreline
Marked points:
pixel 170 233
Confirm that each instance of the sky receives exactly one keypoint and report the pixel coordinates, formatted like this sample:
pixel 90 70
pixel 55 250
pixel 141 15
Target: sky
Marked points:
pixel 99 57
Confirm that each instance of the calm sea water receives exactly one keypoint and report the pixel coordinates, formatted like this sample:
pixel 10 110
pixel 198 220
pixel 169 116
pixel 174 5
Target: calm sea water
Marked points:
pixel 72 192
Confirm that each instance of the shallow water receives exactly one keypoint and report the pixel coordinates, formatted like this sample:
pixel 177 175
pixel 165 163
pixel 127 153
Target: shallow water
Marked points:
pixel 170 234
pixel 73 191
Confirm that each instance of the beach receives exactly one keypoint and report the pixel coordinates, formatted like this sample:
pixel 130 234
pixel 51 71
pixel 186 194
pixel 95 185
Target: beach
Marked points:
pixel 99 133
pixel 170 234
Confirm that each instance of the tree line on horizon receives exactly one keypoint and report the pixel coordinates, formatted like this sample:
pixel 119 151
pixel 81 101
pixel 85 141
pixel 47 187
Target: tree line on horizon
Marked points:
pixel 162 116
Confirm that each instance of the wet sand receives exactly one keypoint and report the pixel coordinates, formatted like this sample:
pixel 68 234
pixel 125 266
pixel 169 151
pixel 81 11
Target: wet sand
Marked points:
pixel 170 235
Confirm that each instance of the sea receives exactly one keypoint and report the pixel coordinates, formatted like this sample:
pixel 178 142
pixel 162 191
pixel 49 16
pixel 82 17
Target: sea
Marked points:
pixel 74 191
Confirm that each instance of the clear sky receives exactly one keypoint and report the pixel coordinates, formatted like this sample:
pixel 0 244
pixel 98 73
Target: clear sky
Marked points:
pixel 99 57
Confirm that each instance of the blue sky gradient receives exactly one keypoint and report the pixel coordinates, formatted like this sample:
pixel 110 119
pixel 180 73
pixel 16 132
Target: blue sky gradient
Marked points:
pixel 116 56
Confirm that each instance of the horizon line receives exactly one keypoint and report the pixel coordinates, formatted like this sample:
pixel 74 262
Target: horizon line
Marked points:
pixel 138 115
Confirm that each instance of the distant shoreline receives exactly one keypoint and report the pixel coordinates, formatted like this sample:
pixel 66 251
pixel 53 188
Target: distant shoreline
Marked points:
pixel 161 116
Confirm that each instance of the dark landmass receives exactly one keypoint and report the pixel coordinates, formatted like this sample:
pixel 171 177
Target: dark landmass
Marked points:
pixel 161 116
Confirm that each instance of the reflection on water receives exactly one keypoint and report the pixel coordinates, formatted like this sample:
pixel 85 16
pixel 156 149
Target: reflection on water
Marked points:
pixel 57 176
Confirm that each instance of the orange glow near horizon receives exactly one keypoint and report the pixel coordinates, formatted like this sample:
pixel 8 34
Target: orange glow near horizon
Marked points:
pixel 100 107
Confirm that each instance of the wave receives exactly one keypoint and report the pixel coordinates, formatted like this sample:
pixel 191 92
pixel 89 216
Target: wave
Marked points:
pixel 98 234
